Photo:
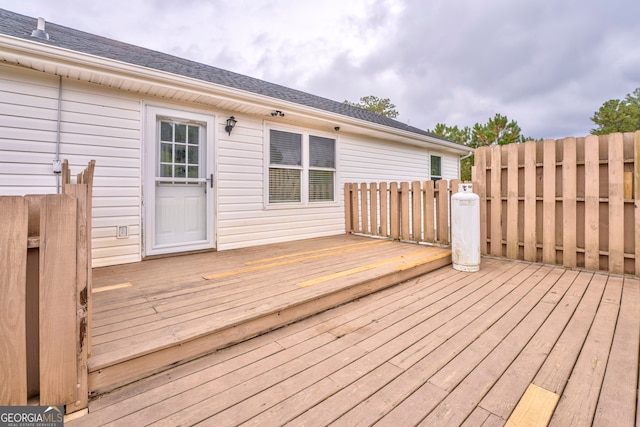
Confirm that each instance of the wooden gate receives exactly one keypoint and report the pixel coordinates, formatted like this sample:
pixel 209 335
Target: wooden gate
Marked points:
pixel 45 280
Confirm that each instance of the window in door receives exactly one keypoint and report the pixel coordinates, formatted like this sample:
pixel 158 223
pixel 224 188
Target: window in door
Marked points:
pixel 179 150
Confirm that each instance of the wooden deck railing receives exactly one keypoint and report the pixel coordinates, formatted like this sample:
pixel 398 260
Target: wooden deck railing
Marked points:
pixel 573 202
pixel 416 211
pixel 45 278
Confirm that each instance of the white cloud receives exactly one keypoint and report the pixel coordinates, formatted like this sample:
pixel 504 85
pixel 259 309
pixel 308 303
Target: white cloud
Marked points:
pixel 547 64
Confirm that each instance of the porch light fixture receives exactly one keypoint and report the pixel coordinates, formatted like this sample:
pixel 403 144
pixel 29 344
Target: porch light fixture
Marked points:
pixel 231 123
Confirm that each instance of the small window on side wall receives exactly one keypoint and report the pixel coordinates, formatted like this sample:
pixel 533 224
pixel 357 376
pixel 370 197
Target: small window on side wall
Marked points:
pixel 436 168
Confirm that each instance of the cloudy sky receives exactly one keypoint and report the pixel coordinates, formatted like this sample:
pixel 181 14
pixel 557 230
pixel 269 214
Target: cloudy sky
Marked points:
pixel 548 64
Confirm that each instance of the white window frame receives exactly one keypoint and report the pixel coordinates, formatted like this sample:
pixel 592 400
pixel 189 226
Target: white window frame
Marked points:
pixel 434 177
pixel 304 178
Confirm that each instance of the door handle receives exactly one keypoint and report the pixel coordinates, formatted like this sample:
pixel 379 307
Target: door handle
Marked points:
pixel 210 179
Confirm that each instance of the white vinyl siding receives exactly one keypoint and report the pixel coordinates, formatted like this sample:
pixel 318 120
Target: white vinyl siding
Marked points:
pixel 450 167
pixel 243 216
pixel 374 160
pixel 106 125
pixel 96 123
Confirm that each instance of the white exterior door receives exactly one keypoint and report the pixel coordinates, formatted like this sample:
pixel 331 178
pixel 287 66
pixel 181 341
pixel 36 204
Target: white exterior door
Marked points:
pixel 179 184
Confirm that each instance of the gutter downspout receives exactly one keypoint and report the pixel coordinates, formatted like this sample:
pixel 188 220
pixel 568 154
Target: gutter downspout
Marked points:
pixel 57 164
pixel 460 162
pixel 466 156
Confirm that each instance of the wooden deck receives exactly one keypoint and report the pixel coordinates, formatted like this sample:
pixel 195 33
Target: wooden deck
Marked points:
pixel 445 348
pixel 152 315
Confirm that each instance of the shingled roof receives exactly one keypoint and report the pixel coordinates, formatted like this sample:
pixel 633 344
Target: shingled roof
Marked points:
pixel 21 26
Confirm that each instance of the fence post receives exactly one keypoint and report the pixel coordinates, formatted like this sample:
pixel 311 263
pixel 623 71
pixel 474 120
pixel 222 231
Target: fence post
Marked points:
pixel 13 259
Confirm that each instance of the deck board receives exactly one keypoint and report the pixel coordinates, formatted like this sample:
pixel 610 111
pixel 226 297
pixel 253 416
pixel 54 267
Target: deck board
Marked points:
pixel 444 348
pixel 183 307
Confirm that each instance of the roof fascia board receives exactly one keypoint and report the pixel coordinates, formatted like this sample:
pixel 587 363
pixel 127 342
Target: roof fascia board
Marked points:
pixel 61 57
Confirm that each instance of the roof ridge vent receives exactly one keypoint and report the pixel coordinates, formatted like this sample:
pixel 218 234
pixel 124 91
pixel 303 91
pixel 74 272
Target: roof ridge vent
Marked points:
pixel 40 33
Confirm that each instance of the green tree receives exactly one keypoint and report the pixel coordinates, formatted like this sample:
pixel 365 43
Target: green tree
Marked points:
pixel 377 105
pixel 498 130
pixel 617 115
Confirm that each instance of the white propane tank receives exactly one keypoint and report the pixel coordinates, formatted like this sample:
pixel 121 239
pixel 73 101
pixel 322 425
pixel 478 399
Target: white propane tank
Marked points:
pixel 465 229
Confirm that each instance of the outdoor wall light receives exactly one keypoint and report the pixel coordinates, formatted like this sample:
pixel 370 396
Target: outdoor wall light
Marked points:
pixel 277 113
pixel 231 123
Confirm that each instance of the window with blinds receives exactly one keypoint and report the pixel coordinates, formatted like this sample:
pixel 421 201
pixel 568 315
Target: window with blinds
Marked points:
pixel 322 164
pixel 301 167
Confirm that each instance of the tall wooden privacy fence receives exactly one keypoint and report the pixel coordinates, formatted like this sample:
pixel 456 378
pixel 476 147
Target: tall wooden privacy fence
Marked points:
pixel 573 202
pixel 45 280
pixel 416 211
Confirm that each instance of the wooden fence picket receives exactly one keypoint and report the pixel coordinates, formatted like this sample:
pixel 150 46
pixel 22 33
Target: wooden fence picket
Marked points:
pixel 572 201
pixel 13 259
pixel 58 300
pixel 45 277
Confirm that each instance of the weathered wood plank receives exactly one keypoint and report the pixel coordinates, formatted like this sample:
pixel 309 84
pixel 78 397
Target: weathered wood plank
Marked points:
pixel 81 193
pixel 513 246
pixel 404 211
pixel 496 201
pixel 384 210
pixel 13 305
pixel 429 211
pixel 364 208
pixel 569 189
pixel 355 212
pixel 416 210
pixel 504 395
pixel 578 404
pixel 394 211
pixel 530 184
pixel 549 202
pixel 33 296
pixel 442 215
pixel 554 373
pixel 616 203
pixel 373 199
pixel 371 360
pixel 480 188
pixel 617 403
pixel 592 203
pixel 500 347
pixel 58 363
